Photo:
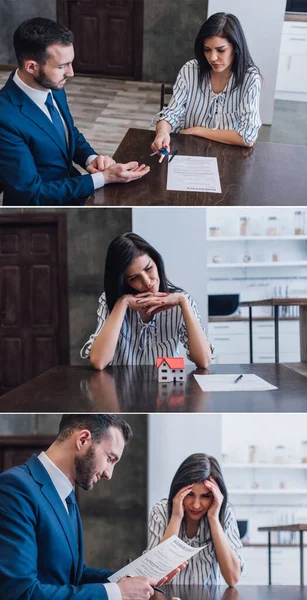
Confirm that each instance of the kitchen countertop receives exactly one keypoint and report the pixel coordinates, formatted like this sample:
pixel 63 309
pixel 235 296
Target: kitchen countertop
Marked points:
pixel 236 319
pixel 291 16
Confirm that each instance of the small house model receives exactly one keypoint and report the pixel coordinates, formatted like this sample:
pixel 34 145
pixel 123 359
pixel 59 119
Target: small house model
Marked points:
pixel 170 369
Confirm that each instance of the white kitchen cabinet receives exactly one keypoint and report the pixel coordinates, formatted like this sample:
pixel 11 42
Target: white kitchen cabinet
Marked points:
pixel 285 565
pixel 292 75
pixel 231 341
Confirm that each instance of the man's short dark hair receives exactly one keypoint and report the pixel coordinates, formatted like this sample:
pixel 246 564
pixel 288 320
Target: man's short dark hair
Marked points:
pixel 33 36
pixel 97 424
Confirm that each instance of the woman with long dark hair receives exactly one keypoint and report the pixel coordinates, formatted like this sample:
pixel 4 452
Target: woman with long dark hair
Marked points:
pixel 216 95
pixel 141 315
pixel 197 510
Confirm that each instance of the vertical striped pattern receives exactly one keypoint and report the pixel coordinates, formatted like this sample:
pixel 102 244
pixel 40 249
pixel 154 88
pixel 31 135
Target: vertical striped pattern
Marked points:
pixel 193 105
pixel 141 343
pixel 203 568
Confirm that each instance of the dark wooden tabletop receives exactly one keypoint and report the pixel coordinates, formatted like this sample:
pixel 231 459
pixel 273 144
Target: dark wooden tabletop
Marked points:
pixel 293 527
pixel 242 592
pixel 276 302
pixel 264 175
pixel 136 389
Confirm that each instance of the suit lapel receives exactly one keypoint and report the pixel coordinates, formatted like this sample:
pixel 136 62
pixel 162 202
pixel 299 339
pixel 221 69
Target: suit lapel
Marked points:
pixel 32 112
pixel 48 490
pixel 35 114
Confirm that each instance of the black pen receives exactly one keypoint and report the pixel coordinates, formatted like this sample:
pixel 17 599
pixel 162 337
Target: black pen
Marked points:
pixel 154 587
pixel 238 379
pixel 171 158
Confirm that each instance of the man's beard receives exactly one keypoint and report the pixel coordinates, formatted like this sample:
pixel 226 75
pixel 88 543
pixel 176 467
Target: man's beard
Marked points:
pixel 44 81
pixel 85 469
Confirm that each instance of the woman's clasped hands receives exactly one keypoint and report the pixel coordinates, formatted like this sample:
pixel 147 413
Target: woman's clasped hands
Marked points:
pixel 154 302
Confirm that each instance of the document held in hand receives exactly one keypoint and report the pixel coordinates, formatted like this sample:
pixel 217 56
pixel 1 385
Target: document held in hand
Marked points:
pixel 159 561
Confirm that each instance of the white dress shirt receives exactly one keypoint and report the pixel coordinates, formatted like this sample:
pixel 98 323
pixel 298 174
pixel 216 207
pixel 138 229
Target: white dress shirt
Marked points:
pixel 39 97
pixel 64 487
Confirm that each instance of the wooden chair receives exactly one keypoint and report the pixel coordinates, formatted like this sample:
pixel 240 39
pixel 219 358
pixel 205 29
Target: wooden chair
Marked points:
pixel 165 90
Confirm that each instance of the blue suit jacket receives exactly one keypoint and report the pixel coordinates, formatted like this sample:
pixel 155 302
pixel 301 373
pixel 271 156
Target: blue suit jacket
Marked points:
pixel 39 558
pixel 35 168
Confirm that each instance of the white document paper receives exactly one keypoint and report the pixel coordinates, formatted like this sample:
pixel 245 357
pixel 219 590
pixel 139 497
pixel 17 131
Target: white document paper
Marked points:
pixel 226 383
pixel 193 174
pixel 159 561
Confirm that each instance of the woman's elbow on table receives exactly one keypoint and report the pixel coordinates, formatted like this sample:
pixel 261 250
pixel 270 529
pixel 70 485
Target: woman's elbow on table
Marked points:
pixel 232 580
pixel 204 362
pixel 97 362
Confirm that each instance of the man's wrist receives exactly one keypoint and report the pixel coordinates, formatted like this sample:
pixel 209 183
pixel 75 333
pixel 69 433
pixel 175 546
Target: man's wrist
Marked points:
pixel 90 159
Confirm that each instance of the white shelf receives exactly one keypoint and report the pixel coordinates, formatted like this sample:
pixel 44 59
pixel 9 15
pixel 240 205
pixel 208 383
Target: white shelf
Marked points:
pixel 278 263
pixel 264 466
pixel 275 492
pixel 254 238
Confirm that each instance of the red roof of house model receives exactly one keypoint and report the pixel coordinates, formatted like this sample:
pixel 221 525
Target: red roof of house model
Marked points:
pixel 173 363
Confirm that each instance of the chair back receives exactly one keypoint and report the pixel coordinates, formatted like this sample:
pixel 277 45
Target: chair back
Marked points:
pixel 166 90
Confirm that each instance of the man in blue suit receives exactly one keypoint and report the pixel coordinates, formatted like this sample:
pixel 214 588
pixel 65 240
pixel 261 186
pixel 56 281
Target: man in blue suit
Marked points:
pixel 38 139
pixel 41 537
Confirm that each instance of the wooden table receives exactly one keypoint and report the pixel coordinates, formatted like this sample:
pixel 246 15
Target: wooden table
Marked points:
pixel 301 527
pixel 265 175
pixel 136 389
pixel 241 592
pixel 275 303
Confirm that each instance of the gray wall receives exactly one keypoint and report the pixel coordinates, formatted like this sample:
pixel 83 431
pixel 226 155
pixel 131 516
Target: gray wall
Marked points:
pixel 90 232
pixel 170 28
pixel 114 513
pixel 12 13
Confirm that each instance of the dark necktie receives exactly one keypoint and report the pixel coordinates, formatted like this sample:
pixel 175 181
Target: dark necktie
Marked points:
pixel 72 510
pixel 56 119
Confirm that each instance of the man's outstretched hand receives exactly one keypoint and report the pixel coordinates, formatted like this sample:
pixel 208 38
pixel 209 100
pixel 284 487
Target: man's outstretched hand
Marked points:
pixel 123 173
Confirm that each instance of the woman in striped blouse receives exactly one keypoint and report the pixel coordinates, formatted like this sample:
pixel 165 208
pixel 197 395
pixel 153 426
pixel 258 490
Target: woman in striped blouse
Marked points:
pixel 198 512
pixel 216 95
pixel 141 315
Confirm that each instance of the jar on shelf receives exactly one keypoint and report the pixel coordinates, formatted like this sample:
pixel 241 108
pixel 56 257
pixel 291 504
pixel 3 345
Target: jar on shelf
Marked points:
pixel 252 454
pixel 279 458
pixel 299 222
pixel 214 231
pixel 244 225
pixel 304 452
pixel 272 228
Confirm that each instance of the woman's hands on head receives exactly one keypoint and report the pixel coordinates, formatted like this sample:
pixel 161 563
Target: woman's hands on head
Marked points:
pixel 217 498
pixel 178 507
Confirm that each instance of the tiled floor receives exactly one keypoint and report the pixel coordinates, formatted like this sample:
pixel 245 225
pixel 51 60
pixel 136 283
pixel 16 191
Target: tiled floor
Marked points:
pixel 103 109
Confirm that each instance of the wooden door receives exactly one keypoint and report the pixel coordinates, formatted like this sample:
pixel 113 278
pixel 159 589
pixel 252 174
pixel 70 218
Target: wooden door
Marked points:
pixel 108 35
pixel 33 296
pixel 15 450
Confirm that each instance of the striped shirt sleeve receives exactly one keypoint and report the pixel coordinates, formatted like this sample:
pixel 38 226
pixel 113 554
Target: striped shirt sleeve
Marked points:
pixel 249 117
pixel 175 111
pixel 183 334
pixel 157 524
pixel 102 314
pixel 233 536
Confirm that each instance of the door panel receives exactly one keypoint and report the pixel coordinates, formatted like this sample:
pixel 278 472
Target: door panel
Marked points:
pixel 108 35
pixel 33 297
